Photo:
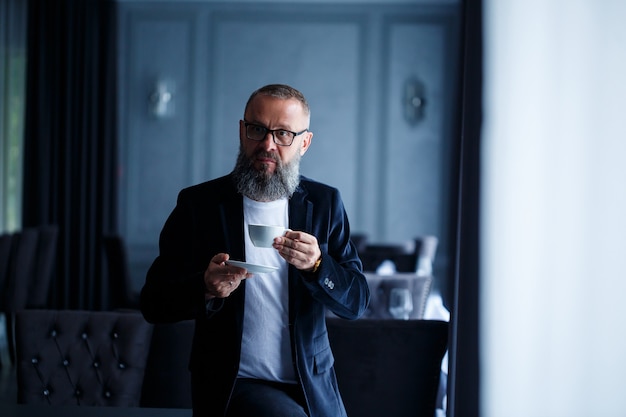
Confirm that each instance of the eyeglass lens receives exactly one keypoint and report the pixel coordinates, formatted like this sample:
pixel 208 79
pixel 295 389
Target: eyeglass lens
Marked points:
pixel 281 137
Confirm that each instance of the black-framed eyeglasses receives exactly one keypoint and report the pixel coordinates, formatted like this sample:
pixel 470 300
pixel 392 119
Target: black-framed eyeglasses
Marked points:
pixel 281 137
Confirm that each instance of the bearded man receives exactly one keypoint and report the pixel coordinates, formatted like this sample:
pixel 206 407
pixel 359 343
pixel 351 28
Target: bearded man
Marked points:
pixel 260 344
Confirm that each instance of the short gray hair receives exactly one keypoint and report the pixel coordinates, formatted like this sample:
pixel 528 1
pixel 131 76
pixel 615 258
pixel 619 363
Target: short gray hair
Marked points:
pixel 280 91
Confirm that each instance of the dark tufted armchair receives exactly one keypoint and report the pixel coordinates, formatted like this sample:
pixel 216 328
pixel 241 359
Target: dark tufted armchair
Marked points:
pixel 80 357
pixel 388 367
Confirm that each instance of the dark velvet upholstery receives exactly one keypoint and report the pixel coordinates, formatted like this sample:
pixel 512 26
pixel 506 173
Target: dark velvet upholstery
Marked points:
pixel 80 357
pixel 29 271
pixel 384 367
pixel 121 295
pixel 388 367
pixel 5 252
pixel 39 287
pixel 167 382
pixel 22 267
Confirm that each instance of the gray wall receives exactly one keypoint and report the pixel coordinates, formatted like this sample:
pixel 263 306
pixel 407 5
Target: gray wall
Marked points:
pixel 352 61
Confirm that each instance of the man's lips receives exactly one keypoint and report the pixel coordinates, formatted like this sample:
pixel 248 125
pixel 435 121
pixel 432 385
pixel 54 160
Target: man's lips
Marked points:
pixel 265 159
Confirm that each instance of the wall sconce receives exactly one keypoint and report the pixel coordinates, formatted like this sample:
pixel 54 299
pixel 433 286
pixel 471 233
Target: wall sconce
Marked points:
pixel 161 99
pixel 414 101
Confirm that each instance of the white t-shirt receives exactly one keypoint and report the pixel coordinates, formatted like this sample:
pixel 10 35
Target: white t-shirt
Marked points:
pixel 265 347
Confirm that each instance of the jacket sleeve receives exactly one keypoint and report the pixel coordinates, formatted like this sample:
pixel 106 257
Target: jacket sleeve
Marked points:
pixel 339 282
pixel 174 286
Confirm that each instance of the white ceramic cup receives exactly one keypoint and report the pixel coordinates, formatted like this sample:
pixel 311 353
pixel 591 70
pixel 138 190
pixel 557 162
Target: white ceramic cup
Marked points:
pixel 262 236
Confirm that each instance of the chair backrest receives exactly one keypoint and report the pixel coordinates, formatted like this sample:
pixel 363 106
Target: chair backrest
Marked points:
pixel 360 241
pixel 426 248
pixel 382 285
pixel 403 255
pixel 406 256
pixel 81 357
pixel 31 262
pixel 28 274
pixel 39 288
pixel 167 381
pixel 22 267
pixel 6 240
pixel 121 295
pixel 388 367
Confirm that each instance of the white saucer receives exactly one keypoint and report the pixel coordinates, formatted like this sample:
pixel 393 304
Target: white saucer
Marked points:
pixel 255 269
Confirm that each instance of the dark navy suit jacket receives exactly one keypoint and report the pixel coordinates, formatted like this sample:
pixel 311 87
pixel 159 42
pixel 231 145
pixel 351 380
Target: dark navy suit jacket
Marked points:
pixel 208 219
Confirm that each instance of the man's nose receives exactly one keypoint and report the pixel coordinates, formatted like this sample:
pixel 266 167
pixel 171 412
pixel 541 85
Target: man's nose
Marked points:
pixel 268 141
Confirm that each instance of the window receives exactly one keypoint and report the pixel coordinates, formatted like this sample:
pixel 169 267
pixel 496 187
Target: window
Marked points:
pixel 12 105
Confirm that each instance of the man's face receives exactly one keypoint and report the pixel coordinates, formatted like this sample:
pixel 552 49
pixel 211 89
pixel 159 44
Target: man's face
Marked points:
pixel 274 113
pixel 266 171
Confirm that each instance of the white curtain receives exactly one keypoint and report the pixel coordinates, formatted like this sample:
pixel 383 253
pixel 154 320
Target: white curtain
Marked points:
pixel 553 214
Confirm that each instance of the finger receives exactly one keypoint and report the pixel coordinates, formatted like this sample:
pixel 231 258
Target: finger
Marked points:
pixel 224 270
pixel 295 258
pixel 220 258
pixel 294 247
pixel 227 287
pixel 303 257
pixel 299 251
pixel 222 279
pixel 235 274
pixel 295 236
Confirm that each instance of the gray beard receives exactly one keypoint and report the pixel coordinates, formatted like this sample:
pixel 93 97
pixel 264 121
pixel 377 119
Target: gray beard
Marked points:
pixel 262 185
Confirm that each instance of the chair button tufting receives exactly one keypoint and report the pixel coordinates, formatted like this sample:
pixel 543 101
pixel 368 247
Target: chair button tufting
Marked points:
pixel 122 366
pixel 84 336
pixel 66 362
pixel 53 333
pixel 96 364
pixel 107 394
pixel 34 360
pixel 115 335
pixel 78 393
pixel 46 392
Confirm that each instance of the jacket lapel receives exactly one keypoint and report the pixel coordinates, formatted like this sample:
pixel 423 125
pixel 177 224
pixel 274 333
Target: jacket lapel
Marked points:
pixel 231 219
pixel 300 211
pixel 300 218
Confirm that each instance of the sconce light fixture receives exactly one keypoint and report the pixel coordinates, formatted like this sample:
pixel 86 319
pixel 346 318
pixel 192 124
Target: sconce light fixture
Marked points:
pixel 414 101
pixel 161 99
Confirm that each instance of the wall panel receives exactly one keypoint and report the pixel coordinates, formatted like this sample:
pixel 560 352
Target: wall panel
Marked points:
pixel 351 61
pixel 413 187
pixel 320 58
pixel 157 162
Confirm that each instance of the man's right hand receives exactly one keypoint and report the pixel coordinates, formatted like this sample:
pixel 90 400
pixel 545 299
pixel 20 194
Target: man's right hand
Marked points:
pixel 220 279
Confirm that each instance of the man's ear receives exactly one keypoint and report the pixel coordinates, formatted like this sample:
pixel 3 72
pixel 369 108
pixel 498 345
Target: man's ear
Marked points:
pixel 306 142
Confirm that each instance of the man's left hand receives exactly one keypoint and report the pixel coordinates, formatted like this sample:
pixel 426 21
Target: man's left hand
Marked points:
pixel 300 249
